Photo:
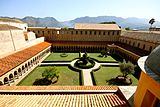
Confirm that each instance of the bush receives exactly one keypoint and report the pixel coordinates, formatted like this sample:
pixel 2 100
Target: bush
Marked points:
pixel 63 55
pixel 88 65
pixel 50 72
pixel 126 68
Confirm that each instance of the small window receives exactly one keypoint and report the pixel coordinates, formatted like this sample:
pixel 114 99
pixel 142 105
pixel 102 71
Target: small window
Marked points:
pixel 76 32
pixel 90 32
pixel 99 32
pixel 48 32
pixel 104 33
pixel 138 45
pixel 144 46
pixel 81 32
pixel 117 32
pixel 113 32
pixel 95 32
pixel 150 49
pixel 133 44
pixel 86 32
pixel 108 33
pixel 72 32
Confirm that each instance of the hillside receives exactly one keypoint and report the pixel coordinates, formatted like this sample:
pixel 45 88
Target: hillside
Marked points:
pixel 132 22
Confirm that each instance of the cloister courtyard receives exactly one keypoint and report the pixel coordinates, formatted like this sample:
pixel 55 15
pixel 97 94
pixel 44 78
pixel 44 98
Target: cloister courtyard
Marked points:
pixel 70 77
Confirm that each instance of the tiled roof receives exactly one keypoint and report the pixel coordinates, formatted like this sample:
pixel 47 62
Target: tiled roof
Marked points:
pixel 62 99
pixel 58 88
pixel 97 26
pixel 8 27
pixel 11 61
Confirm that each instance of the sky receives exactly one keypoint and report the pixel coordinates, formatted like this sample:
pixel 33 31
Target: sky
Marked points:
pixel 64 10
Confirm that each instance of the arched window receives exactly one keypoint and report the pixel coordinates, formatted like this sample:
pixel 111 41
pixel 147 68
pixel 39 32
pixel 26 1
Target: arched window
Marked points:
pixel 6 81
pixel 11 78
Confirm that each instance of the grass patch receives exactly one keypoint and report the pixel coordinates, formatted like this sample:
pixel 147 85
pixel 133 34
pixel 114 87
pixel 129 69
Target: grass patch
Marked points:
pixel 58 57
pixel 106 73
pixel 97 56
pixel 67 76
pixel 71 56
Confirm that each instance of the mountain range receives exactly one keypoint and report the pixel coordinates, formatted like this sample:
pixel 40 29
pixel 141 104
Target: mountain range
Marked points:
pixel 132 22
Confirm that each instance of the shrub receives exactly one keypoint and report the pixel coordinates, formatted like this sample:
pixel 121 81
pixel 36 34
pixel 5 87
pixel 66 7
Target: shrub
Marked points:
pixel 50 73
pixel 126 68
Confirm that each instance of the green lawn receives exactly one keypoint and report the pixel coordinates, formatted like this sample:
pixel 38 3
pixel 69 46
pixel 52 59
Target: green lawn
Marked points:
pixel 57 57
pixel 71 56
pixel 106 73
pixel 96 56
pixel 67 76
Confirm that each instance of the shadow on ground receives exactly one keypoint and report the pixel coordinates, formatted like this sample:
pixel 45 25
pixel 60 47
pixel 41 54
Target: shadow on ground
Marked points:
pixel 119 81
pixel 43 81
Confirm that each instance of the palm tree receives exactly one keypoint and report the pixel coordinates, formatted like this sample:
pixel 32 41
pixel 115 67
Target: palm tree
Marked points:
pixel 151 22
pixel 50 73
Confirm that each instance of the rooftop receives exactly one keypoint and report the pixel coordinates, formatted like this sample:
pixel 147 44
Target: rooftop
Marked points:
pixel 8 27
pixel 96 26
pixel 57 96
pixel 9 62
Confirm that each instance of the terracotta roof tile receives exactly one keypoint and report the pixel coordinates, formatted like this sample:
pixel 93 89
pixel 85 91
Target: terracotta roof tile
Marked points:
pixel 97 26
pixel 70 99
pixel 11 61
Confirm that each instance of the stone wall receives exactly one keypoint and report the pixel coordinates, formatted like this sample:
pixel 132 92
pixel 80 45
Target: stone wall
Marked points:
pixel 22 26
pixel 53 34
pixel 6 44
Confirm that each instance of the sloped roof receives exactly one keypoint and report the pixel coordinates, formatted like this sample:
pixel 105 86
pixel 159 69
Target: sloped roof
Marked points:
pixel 64 96
pixel 97 26
pixel 8 27
pixel 9 62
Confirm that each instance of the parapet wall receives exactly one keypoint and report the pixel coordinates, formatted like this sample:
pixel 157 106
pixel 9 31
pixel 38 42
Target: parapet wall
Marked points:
pixel 12 40
pixel 54 34
pixel 6 44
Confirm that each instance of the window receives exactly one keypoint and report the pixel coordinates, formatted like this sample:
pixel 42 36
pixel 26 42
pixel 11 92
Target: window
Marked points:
pixel 108 33
pixel 138 45
pixel 95 32
pixel 90 32
pixel 86 32
pixel 133 44
pixel 99 32
pixel 81 32
pixel 104 33
pixel 72 32
pixel 38 31
pixel 150 49
pixel 113 33
pixel 117 32
pixel 43 33
pixel 144 46
pixel 76 32
pixel 48 32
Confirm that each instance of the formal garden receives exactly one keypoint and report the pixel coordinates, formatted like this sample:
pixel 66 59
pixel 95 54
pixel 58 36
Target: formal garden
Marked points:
pixel 109 71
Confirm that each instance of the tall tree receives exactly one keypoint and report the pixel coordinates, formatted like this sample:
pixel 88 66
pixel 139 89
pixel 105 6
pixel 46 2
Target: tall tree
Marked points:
pixel 126 68
pixel 151 22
